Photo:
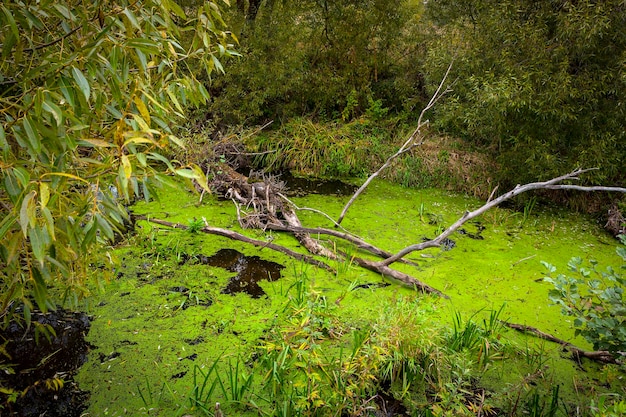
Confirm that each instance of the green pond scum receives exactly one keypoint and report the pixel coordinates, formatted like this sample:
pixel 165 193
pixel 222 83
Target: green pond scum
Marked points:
pixel 169 342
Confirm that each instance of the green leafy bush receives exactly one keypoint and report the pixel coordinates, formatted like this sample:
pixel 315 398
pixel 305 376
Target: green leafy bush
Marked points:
pixel 539 84
pixel 333 60
pixel 595 298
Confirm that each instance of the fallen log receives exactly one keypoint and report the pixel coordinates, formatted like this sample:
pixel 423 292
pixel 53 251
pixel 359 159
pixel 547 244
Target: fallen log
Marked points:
pixel 261 205
pixel 242 238
pixel 577 353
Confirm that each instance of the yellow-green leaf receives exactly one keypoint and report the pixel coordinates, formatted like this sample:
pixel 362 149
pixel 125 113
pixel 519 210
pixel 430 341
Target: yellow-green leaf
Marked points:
pixel 143 110
pixel 33 138
pixel 201 178
pixel 138 139
pixel 38 242
pixel 64 174
pixel 177 10
pixel 141 158
pixel 104 227
pixel 186 173
pixel 141 122
pixel 44 194
pixel 3 140
pixel 49 222
pixel 27 212
pixel 6 224
pixel 128 168
pixel 176 141
pixel 98 143
pixel 122 182
pixel 131 18
pixel 53 109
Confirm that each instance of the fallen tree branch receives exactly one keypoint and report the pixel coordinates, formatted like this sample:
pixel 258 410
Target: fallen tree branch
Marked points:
pixel 398 276
pixel 360 243
pixel 237 236
pixel 519 189
pixel 591 188
pixel 416 139
pixel 598 355
pixel 311 209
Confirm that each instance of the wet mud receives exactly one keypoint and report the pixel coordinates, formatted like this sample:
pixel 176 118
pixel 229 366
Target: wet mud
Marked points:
pixel 44 359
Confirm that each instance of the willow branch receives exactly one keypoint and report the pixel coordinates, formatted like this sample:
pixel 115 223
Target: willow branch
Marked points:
pixel 598 355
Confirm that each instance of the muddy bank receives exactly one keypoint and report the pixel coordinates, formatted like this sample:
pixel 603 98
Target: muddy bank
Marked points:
pixel 39 365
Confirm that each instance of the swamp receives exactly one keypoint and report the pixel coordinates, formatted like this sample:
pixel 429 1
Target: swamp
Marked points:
pixel 312 208
pixel 178 330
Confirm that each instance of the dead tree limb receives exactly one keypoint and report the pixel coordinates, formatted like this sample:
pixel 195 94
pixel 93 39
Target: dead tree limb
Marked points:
pixel 588 189
pixel 598 355
pixel 237 236
pixel 416 139
pixel 519 189
pixel 358 242
pixel 405 279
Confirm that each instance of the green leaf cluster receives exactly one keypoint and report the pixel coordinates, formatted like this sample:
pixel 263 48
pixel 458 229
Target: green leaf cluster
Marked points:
pixel 89 96
pixel 330 59
pixel 595 298
pixel 542 85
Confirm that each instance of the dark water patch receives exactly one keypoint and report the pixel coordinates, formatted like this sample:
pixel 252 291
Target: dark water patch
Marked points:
pixel 300 187
pixel 106 358
pixel 446 244
pixel 249 269
pixel 196 341
pixel 477 235
pixel 179 375
pixel 191 357
pixel 372 285
pixel 38 367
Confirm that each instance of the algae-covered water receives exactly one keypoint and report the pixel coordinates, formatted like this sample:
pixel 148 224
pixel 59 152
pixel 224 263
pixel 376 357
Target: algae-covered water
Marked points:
pixel 165 318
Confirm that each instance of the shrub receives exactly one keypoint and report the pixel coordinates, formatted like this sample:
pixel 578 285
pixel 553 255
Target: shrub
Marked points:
pixel 595 298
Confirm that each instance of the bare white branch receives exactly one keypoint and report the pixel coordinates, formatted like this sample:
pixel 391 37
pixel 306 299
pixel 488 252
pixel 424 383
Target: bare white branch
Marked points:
pixel 552 184
pixel 416 139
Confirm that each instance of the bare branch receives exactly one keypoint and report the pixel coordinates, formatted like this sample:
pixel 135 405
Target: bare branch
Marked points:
pixel 598 355
pixel 360 243
pixel 237 236
pixel 311 209
pixel 409 144
pixel 586 188
pixel 519 189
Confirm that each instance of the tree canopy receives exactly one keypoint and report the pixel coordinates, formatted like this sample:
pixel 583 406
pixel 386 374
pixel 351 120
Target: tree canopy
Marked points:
pixel 326 59
pixel 89 96
pixel 542 84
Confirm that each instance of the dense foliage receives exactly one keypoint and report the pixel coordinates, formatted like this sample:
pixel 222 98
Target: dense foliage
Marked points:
pixel 329 59
pixel 540 84
pixel 88 95
pixel 595 298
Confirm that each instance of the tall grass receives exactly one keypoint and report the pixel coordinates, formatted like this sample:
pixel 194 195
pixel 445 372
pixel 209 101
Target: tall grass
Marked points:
pixel 478 336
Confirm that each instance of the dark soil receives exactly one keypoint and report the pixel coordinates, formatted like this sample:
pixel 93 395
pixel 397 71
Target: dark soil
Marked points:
pixel 39 364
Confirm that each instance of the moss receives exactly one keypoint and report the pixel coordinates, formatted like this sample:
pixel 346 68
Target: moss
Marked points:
pixel 150 336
